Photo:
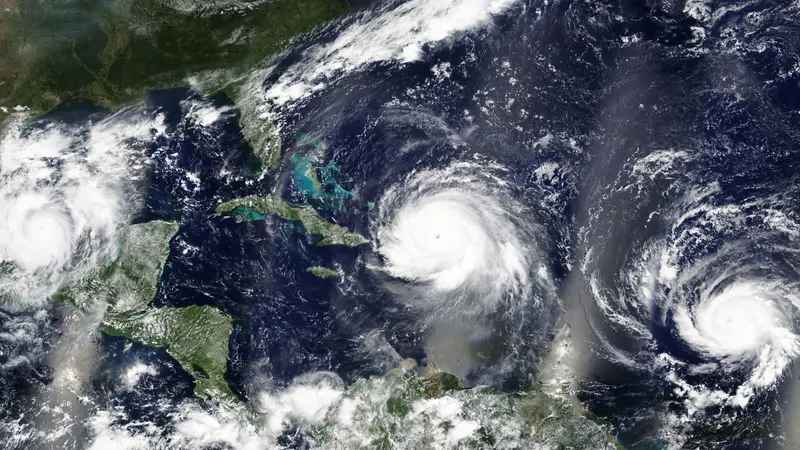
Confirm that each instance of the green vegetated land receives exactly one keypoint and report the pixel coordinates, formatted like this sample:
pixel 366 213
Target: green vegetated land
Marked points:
pixel 323 272
pixel 402 410
pixel 112 51
pixel 196 336
pixel 255 207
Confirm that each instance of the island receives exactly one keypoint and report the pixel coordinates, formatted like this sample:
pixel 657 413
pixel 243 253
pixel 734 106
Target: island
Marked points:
pixel 323 272
pixel 196 336
pixel 408 407
pixel 256 207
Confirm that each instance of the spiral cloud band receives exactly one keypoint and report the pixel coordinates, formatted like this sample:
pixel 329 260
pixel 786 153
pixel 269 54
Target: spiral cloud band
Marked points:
pixel 65 191
pixel 727 292
pixel 459 236
pixel 746 320
pixel 736 320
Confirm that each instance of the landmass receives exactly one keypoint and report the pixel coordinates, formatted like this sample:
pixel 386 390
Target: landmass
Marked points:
pixel 325 190
pixel 404 410
pixel 196 336
pixel 257 127
pixel 324 272
pixel 112 52
pixel 255 207
pixel 401 409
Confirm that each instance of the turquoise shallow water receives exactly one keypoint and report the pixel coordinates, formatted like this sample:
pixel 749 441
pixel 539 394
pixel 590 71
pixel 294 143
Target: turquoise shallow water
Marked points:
pixel 316 180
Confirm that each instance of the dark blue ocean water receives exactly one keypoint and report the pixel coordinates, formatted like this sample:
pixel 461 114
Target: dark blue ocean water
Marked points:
pixel 608 82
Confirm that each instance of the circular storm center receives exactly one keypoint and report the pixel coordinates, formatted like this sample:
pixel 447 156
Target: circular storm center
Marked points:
pixel 739 320
pixel 42 234
pixel 440 239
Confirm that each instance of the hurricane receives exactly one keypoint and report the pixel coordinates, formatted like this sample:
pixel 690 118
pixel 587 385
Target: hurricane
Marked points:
pixel 734 309
pixel 467 254
pixel 745 322
pixel 66 191
pixel 709 299
pixel 457 233
pixel 403 224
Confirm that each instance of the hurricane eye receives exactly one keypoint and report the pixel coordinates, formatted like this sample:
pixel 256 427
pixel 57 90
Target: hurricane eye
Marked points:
pixel 65 192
